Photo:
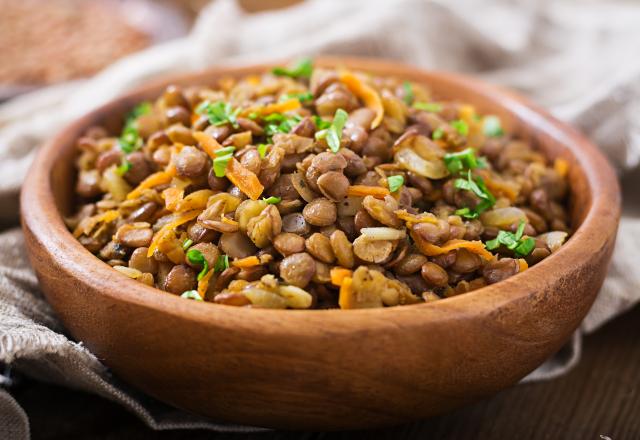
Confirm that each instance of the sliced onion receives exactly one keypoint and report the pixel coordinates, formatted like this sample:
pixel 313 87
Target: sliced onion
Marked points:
pixel 427 149
pixel 349 206
pixel 303 189
pixel 128 271
pixel 410 160
pixel 554 239
pixel 264 298
pixel 503 217
pixel 114 184
pixel 382 233
pixel 296 297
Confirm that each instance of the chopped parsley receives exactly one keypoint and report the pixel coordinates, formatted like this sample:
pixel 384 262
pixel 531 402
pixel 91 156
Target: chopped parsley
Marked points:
pixel 130 140
pixel 475 185
pixel 219 113
pixel 460 126
pixel 272 200
pixel 224 155
pixel 492 127
pixel 321 124
pixel 334 132
pixel 192 294
pixel 124 167
pixel 395 182
pixel 437 134
pixel 408 92
pixel 521 246
pixel 461 161
pixel 187 243
pixel 300 69
pixel 262 150
pixel 432 107
pixel 194 256
pixel 222 263
pixel 302 97
pixel 280 123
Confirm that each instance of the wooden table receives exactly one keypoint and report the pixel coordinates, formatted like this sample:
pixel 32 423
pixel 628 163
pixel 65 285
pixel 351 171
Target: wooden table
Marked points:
pixel 599 397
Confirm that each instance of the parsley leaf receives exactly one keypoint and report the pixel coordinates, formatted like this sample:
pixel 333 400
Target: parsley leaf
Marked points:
pixel 280 123
pixel 301 69
pixel 521 246
pixel 124 167
pixel 437 134
pixel 272 200
pixel 492 127
pixel 460 126
pixel 302 97
pixel 224 155
pixel 262 150
pixel 219 113
pixel 222 263
pixel 130 140
pixel 194 256
pixel 395 182
pixel 432 107
pixel 408 92
pixel 321 124
pixel 192 294
pixel 334 132
pixel 475 185
pixel 461 161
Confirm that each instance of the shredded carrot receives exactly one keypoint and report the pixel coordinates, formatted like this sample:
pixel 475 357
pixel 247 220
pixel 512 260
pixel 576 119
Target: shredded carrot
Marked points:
pixel 195 200
pixel 431 250
pixel 498 187
pixel 244 179
pixel 179 220
pixel 364 190
pixel 346 293
pixel 402 214
pixel 561 167
pixel 228 221
pixel 246 262
pixel 278 107
pixel 87 226
pixel 368 95
pixel 172 197
pixel 339 274
pixel 523 265
pixel 159 178
pixel 208 143
pixel 203 284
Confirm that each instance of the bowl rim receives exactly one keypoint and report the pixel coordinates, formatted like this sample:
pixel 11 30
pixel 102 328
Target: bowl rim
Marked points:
pixel 597 228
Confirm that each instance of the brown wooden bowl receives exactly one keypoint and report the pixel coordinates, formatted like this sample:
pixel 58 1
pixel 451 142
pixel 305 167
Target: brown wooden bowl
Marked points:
pixel 327 369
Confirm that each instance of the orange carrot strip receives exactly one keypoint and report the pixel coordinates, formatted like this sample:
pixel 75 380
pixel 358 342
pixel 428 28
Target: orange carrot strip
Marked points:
pixel 172 198
pixel 523 265
pixel 431 250
pixel 179 220
pixel 402 214
pixel 246 262
pixel 497 187
pixel 338 275
pixel 561 167
pixel 346 293
pixel 159 178
pixel 278 107
pixel 369 96
pixel 244 179
pixel 209 144
pixel 203 284
pixel 364 190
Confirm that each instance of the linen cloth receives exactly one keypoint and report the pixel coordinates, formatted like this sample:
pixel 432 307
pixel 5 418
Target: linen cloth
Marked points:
pixel 577 58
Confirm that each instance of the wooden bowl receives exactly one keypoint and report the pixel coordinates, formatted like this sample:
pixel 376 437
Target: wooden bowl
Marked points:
pixel 326 369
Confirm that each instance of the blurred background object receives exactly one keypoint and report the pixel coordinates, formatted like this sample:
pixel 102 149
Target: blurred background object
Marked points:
pixel 44 42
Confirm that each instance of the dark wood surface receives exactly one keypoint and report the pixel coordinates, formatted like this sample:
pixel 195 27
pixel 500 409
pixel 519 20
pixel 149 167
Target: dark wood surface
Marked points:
pixel 601 396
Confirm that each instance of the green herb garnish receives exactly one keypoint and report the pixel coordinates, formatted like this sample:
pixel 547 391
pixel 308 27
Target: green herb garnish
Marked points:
pixel 334 132
pixel 262 150
pixel 225 151
pixel 460 126
pixel 432 107
pixel 302 97
pixel 395 182
pixel 130 140
pixel 222 263
pixel 273 200
pixel 192 294
pixel 408 92
pixel 219 113
pixel 475 185
pixel 492 127
pixel 123 168
pixel 194 256
pixel 521 246
pixel 300 69
pixel 461 161
pixel 437 134
pixel 220 165
pixel 187 243
pixel 280 123
pixel 321 124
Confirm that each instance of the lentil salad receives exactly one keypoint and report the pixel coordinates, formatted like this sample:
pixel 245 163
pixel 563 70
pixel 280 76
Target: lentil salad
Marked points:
pixel 308 187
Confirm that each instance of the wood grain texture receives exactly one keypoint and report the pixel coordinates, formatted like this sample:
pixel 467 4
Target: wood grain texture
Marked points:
pixel 327 369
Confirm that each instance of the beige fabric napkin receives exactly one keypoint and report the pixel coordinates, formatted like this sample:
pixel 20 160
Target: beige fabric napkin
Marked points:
pixel 577 58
